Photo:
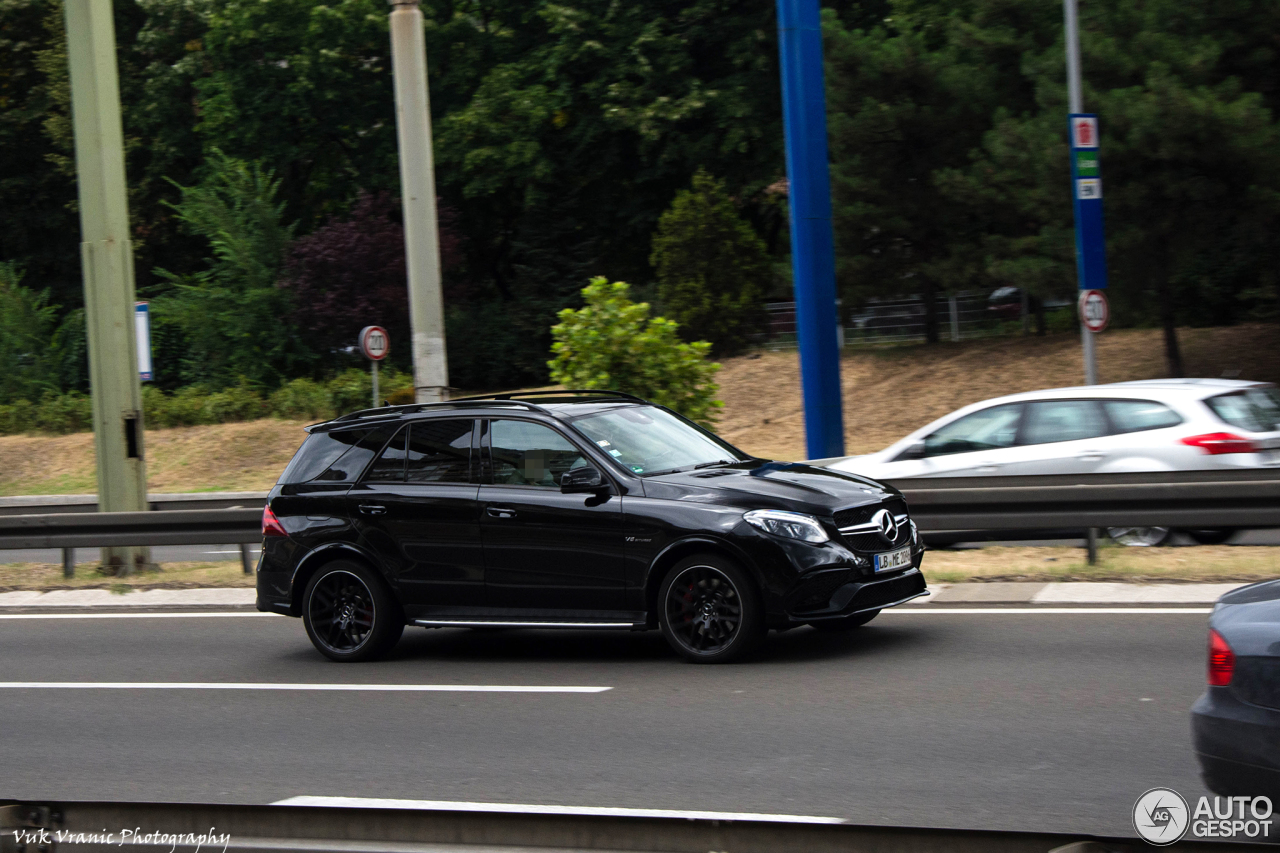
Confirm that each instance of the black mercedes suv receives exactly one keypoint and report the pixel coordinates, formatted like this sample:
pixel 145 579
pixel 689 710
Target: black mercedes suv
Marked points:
pixel 584 509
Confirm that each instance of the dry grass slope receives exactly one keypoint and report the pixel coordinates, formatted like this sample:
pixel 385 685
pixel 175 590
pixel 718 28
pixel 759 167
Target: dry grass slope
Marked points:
pixel 887 393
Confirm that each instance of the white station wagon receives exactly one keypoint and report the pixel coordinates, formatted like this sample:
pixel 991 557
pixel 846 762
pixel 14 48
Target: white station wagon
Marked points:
pixel 1153 425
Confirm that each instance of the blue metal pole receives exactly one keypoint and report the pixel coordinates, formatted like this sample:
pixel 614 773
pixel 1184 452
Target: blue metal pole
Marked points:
pixel 804 113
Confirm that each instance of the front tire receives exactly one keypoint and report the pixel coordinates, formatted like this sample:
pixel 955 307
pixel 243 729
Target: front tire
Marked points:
pixel 349 613
pixel 848 623
pixel 710 610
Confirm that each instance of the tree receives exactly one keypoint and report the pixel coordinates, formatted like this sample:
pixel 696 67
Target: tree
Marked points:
pixel 613 343
pixel 230 313
pixel 712 268
pixel 27 323
pixel 350 273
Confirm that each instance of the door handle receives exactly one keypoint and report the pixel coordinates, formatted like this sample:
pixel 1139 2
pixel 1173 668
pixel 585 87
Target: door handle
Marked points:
pixel 373 509
pixel 1091 455
pixel 500 512
pixel 986 466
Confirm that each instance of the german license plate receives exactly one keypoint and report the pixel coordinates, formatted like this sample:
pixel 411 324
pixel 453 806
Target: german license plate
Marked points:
pixel 893 560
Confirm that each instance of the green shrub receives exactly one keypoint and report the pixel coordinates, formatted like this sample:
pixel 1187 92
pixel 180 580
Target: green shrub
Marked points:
pixel 302 399
pixel 613 343
pixel 64 413
pixel 17 417
pixel 237 403
pixel 352 390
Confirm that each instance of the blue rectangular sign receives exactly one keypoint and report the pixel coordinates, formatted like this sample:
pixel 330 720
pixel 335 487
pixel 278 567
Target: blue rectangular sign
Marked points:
pixel 1086 190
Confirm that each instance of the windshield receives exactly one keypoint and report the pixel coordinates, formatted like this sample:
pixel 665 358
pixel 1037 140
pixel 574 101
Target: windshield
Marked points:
pixel 648 440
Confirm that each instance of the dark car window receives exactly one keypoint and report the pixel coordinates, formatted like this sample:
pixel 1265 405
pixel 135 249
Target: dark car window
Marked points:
pixel 529 454
pixel 988 429
pixel 321 453
pixel 440 452
pixel 389 466
pixel 1139 415
pixel 1062 420
pixel 1255 410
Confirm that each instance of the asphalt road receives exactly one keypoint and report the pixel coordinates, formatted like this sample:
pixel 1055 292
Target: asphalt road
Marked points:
pixel 996 720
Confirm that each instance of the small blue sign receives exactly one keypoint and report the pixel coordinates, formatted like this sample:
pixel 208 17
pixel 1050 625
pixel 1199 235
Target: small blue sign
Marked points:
pixel 1086 185
pixel 142 328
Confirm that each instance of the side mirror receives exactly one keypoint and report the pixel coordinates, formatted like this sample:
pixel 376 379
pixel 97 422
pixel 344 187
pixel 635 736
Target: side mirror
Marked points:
pixel 582 481
pixel 915 451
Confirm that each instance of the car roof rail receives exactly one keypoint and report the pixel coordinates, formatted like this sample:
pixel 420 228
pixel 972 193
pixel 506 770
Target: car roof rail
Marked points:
pixel 591 392
pixel 410 408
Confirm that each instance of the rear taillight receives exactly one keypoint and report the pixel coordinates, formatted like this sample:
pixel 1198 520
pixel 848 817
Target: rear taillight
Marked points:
pixel 1217 443
pixel 271 525
pixel 1222 661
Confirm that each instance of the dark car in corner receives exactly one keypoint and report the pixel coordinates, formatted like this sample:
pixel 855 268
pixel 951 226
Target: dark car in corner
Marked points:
pixel 581 510
pixel 1235 725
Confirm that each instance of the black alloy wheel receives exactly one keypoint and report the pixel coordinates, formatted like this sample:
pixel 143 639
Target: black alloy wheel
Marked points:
pixel 710 611
pixel 349 614
pixel 846 623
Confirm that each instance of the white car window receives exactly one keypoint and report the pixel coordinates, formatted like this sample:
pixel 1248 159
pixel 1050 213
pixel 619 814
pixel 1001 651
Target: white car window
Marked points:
pixel 988 429
pixel 1063 420
pixel 1139 415
pixel 1257 410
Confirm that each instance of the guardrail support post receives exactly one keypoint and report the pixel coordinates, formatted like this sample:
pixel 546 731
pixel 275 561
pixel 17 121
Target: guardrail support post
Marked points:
pixel 955 317
pixel 1093 546
pixel 68 562
pixel 246 559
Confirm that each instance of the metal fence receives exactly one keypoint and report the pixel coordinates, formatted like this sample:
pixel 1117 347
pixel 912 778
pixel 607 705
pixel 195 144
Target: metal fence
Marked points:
pixel 960 316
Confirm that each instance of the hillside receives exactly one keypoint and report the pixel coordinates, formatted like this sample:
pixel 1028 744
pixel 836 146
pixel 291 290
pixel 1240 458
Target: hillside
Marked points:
pixel 887 393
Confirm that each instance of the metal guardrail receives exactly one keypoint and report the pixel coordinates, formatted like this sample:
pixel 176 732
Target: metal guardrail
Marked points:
pixel 29 504
pixel 167 827
pixel 1247 498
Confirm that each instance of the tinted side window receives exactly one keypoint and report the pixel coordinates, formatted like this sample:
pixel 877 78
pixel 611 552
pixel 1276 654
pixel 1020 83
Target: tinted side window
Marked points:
pixel 988 429
pixel 1063 420
pixel 440 452
pixel 529 454
pixel 319 452
pixel 389 466
pixel 1138 415
pixel 349 465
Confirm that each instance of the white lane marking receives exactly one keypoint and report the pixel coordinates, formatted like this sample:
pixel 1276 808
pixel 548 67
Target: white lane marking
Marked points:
pixel 356 688
pixel 213 614
pixel 1051 611
pixel 525 808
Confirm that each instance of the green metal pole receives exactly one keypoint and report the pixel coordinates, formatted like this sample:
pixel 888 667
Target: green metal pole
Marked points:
pixel 106 257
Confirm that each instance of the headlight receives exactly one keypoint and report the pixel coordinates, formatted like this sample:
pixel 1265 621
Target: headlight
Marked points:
pixel 790 525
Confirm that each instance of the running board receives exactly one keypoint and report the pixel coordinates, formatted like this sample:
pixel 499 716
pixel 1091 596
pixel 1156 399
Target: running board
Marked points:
pixel 478 623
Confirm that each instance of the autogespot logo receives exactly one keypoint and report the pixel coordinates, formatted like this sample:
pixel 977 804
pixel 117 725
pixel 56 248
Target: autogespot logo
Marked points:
pixel 1161 816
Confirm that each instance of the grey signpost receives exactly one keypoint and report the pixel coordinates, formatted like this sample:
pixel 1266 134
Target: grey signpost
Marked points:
pixel 375 344
pixel 1086 192
pixel 106 259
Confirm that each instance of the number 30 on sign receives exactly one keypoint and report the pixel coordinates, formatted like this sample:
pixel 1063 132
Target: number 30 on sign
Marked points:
pixel 1094 311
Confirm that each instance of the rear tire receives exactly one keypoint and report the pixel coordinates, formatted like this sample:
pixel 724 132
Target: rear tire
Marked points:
pixel 349 613
pixel 848 623
pixel 1212 536
pixel 710 610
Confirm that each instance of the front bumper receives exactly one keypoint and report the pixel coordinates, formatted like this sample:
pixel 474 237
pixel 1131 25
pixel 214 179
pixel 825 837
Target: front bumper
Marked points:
pixel 843 594
pixel 1237 744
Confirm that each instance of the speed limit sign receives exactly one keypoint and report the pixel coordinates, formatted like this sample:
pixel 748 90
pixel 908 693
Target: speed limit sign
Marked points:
pixel 1094 311
pixel 374 342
